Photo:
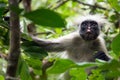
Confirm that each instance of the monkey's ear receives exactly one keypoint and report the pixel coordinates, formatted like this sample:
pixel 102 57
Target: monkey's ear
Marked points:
pixel 78 25
pixel 101 27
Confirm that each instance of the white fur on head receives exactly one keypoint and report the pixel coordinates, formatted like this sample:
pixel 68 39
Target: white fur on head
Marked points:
pixel 100 19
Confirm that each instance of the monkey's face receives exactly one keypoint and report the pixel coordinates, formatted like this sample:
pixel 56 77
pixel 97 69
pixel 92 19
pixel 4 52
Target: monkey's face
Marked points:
pixel 89 30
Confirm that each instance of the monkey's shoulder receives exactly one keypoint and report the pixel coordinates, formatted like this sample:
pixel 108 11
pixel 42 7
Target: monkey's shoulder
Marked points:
pixel 74 40
pixel 78 43
pixel 68 39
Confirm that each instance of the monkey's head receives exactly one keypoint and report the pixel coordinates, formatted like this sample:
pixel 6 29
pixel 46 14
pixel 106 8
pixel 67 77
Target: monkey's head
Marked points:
pixel 89 30
pixel 90 26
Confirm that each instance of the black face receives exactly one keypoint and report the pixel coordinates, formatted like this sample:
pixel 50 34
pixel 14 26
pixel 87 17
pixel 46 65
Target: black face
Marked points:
pixel 89 30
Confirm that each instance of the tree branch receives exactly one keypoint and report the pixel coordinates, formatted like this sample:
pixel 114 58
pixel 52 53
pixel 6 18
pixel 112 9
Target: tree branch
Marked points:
pixel 27 5
pixel 4 56
pixel 14 52
pixel 60 4
pixel 96 6
pixel 41 33
pixel 45 65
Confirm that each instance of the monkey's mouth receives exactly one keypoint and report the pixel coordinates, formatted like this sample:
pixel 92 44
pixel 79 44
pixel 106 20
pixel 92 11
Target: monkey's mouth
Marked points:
pixel 89 37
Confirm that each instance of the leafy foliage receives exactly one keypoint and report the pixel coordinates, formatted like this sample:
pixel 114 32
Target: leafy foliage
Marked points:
pixel 33 50
pixel 115 45
pixel 24 70
pixel 1 77
pixel 46 17
pixel 61 65
pixel 52 19
pixel 115 4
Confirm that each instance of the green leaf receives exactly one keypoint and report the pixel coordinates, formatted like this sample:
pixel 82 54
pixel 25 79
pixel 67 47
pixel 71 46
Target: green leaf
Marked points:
pixel 28 43
pixel 25 27
pixel 115 4
pixel 78 74
pixel 1 11
pixel 97 75
pixel 114 73
pixel 60 66
pixel 112 65
pixel 32 49
pixel 46 17
pixel 23 70
pixel 58 30
pixel 116 45
pixel 1 77
pixel 86 64
pixel 25 75
pixel 26 37
pixel 113 17
pixel 35 64
pixel 36 52
pixel 111 68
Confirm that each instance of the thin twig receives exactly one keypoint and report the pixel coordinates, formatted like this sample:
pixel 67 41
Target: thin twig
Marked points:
pixel 60 3
pixel 51 5
pixel 41 33
pixel 4 56
pixel 97 6
pixel 46 64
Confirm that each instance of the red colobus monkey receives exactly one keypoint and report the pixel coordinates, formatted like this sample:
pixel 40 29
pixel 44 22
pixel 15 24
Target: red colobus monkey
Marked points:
pixel 81 45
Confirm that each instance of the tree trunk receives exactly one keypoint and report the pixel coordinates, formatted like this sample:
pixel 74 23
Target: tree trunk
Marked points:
pixel 14 52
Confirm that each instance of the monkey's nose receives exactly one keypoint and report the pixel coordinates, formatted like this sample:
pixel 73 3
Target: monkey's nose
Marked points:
pixel 88 31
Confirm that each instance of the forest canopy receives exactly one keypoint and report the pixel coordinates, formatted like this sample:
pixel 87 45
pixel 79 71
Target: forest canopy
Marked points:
pixel 23 59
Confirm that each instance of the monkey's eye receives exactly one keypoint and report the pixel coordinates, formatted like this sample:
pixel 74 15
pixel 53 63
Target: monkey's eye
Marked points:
pixel 83 28
pixel 95 27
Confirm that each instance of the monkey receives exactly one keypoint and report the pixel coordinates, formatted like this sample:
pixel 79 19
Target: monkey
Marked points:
pixel 84 45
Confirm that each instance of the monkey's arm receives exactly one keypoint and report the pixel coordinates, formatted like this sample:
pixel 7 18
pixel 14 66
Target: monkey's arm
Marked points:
pixel 102 51
pixel 60 44
pixel 101 55
pixel 49 45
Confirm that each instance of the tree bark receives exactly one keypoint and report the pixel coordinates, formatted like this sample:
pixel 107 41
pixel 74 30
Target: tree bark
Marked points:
pixel 14 51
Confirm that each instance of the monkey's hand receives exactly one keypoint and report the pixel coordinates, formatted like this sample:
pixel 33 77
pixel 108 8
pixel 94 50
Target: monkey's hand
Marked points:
pixel 101 55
